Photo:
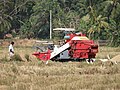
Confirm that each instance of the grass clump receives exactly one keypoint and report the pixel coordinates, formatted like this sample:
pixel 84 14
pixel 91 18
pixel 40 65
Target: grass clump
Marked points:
pixel 4 59
pixel 16 57
pixel 27 57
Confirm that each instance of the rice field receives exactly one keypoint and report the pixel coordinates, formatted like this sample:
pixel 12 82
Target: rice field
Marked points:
pixel 33 74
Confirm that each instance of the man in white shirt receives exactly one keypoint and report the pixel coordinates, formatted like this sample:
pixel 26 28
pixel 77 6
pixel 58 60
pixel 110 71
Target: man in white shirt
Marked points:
pixel 11 50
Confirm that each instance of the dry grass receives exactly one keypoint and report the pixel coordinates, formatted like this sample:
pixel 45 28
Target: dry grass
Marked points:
pixel 58 76
pixel 104 51
pixel 35 75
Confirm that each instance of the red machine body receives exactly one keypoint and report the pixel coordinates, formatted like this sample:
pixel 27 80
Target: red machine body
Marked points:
pixel 42 55
pixel 83 49
pixel 76 46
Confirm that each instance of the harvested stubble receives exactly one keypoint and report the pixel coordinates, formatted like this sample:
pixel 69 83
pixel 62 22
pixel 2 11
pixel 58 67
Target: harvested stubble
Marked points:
pixel 58 76
pixel 35 75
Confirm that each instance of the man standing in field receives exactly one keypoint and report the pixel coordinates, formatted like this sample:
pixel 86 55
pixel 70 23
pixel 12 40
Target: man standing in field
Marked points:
pixel 11 50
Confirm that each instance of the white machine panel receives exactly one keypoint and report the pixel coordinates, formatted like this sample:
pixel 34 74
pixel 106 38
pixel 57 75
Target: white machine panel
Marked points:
pixel 59 50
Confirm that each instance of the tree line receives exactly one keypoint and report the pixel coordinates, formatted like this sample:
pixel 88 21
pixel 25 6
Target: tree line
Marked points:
pixel 98 19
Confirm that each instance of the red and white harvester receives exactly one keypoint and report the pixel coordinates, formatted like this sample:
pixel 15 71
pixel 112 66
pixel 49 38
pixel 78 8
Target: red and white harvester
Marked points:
pixel 76 46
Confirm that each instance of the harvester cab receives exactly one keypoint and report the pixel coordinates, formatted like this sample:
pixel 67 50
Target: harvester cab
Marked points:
pixel 75 46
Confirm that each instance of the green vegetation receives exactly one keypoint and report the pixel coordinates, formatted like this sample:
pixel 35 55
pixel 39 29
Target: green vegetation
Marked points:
pixel 99 19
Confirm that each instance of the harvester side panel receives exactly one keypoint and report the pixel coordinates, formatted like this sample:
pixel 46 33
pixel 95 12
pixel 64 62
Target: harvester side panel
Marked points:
pixel 82 49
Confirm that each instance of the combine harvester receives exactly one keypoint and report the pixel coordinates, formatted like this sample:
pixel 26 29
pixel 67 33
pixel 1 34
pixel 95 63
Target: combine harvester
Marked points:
pixel 76 46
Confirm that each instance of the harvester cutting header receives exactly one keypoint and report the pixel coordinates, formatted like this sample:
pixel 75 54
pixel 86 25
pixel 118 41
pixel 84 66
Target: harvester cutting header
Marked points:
pixel 75 46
